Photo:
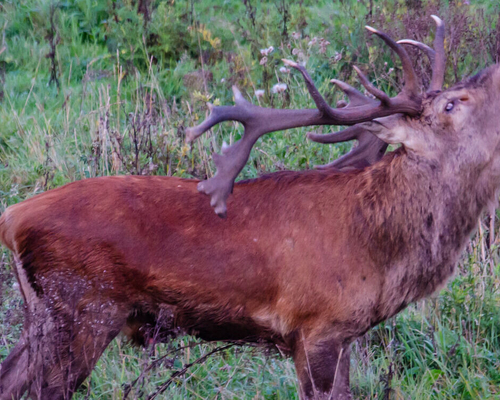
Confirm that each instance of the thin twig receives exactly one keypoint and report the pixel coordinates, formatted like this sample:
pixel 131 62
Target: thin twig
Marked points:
pixel 164 386
pixel 153 364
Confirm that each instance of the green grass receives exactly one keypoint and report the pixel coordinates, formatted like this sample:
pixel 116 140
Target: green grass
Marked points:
pixel 119 76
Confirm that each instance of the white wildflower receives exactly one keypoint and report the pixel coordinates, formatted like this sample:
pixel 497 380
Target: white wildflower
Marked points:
pixel 266 52
pixel 295 51
pixel 279 88
pixel 263 61
pixel 152 167
pixel 296 35
pixel 337 57
pixel 259 93
pixel 222 80
pixel 302 58
pixel 313 41
pixel 284 70
pixel 322 45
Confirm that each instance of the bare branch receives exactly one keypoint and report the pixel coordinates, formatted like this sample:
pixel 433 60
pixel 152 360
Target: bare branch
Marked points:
pixel 164 386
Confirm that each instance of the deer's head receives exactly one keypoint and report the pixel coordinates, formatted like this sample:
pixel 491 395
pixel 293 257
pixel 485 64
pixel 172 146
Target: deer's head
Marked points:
pixel 460 124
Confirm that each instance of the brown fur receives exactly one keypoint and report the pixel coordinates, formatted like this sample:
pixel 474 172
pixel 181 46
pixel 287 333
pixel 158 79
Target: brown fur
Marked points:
pixel 307 261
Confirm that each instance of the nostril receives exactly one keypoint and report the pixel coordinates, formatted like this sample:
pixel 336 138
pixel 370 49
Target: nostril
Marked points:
pixel 464 98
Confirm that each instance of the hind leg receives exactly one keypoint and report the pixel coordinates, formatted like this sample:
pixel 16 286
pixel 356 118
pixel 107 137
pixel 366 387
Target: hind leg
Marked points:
pixel 16 371
pixel 13 371
pixel 67 354
pixel 56 353
pixel 66 330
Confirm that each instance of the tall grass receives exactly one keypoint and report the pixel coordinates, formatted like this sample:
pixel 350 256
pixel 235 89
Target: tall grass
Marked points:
pixel 130 83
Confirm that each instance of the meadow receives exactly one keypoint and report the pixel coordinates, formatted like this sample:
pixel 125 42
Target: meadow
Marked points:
pixel 104 87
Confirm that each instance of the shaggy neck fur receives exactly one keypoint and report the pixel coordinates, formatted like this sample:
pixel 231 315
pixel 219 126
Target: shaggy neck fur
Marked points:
pixel 414 216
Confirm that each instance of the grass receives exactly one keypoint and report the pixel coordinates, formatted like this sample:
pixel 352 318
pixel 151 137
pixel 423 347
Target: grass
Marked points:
pixel 127 87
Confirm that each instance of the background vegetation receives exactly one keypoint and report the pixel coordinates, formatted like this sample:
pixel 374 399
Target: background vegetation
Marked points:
pixel 103 87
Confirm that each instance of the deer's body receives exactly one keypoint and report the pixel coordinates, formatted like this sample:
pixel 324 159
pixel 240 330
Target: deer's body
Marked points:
pixel 303 248
pixel 310 257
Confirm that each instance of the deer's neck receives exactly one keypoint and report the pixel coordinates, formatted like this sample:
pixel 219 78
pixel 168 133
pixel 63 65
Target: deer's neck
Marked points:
pixel 420 218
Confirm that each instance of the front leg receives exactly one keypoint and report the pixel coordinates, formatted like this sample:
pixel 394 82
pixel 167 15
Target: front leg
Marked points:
pixel 322 366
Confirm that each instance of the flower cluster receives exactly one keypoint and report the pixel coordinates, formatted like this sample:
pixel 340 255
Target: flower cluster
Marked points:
pixel 321 42
pixel 279 88
pixel 302 58
pixel 265 53
pixel 259 93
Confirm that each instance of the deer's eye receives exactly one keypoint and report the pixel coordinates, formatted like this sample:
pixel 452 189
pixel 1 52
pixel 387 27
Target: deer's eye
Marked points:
pixel 449 106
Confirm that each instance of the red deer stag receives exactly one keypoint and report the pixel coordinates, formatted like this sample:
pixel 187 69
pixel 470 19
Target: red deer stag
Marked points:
pixel 306 261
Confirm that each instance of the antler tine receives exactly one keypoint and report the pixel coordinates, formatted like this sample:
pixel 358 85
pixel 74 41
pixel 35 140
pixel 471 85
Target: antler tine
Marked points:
pixel 411 81
pixel 356 98
pixel 410 102
pixel 421 46
pixel 220 114
pixel 345 135
pixel 437 55
pixel 369 150
pixel 379 94
pixel 439 65
pixel 319 100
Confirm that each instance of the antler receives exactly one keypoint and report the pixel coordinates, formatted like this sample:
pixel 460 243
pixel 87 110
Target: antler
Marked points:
pixel 437 55
pixel 258 121
pixel 370 149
